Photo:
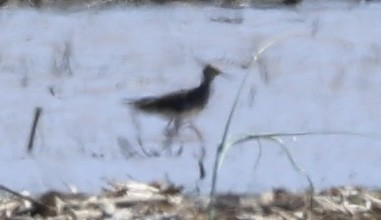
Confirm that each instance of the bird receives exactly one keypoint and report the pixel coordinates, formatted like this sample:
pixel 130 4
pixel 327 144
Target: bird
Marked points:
pixel 291 2
pixel 179 104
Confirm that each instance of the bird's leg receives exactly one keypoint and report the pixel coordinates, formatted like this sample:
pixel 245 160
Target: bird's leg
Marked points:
pixel 192 127
pixel 136 124
pixel 168 126
pixel 172 131
pixel 201 156
pixel 173 126
pixel 177 124
pixel 139 139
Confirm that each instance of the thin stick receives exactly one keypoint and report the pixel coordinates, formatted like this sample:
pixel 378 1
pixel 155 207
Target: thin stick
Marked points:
pixel 37 113
pixel 6 189
pixel 259 153
pixel 220 150
pixel 295 165
pixel 236 139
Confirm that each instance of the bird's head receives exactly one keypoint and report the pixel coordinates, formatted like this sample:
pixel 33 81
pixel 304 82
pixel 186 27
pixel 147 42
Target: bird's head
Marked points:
pixel 210 72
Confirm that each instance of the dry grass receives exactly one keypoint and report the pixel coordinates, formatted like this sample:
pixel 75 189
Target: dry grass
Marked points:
pixel 65 4
pixel 164 201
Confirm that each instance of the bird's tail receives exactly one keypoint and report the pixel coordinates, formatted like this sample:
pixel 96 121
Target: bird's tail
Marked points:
pixel 128 101
pixel 142 103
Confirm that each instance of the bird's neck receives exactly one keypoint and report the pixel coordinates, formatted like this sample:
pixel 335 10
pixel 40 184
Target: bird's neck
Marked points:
pixel 205 83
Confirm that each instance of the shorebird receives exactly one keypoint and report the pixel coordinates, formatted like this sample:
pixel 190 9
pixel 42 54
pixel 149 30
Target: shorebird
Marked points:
pixel 179 104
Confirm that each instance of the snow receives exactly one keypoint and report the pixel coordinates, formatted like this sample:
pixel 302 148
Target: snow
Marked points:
pixel 79 65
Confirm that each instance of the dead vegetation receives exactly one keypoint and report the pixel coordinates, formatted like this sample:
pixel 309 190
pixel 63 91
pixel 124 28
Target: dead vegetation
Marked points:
pixel 134 200
pixel 67 4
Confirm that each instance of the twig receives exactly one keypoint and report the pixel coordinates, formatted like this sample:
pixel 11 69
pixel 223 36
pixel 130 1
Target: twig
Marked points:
pixel 35 202
pixel 37 114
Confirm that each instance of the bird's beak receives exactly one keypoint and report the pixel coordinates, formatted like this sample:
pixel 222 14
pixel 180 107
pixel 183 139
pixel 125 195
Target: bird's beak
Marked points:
pixel 226 75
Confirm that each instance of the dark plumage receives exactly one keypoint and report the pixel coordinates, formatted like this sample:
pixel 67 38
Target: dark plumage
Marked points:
pixel 181 102
pixel 291 2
